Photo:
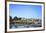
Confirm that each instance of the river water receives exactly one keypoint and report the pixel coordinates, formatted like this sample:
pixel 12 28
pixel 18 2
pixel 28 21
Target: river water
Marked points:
pixel 14 26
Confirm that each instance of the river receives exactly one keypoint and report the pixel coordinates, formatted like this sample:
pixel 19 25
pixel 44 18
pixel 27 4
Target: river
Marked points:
pixel 14 26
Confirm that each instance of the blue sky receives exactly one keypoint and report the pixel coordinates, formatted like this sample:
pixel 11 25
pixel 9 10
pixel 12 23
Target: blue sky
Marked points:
pixel 26 11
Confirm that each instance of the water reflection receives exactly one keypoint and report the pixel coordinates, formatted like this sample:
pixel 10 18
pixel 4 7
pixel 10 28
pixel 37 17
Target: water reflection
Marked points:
pixel 13 26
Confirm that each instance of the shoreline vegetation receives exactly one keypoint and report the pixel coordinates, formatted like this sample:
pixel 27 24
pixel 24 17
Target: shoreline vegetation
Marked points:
pixel 17 20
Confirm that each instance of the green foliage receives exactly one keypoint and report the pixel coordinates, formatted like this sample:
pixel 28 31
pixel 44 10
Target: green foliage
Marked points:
pixel 10 18
pixel 16 18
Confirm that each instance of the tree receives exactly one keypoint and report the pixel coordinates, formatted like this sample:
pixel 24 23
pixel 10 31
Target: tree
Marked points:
pixel 19 18
pixel 15 18
pixel 10 18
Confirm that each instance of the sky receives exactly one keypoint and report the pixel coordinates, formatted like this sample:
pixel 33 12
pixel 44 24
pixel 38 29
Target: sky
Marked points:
pixel 26 11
